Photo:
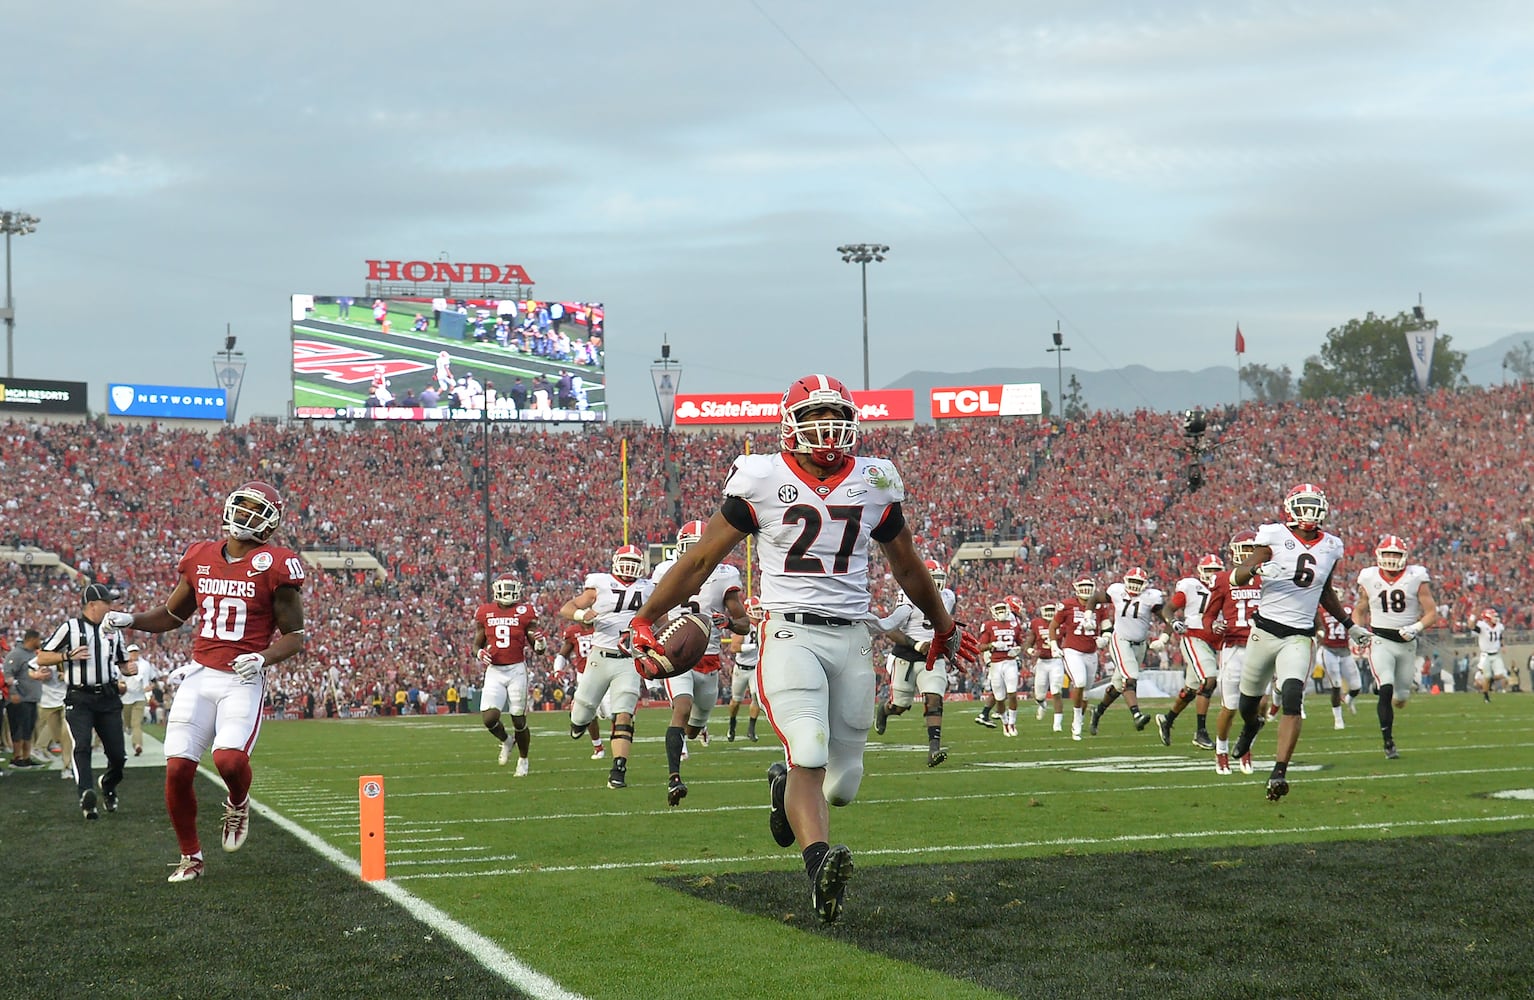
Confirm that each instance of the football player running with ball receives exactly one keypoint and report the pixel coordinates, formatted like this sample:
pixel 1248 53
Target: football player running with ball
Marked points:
pixel 1295 561
pixel 814 508
pixel 243 591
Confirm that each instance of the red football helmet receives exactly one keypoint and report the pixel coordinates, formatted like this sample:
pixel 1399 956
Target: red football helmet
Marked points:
pixel 755 611
pixel 1018 608
pixel 687 535
pixel 1490 614
pixel 506 590
pixel 826 441
pixel 1001 612
pixel 1209 567
pixel 1241 544
pixel 628 563
pixel 1135 581
pixel 938 573
pixel 1390 554
pixel 1305 507
pixel 1085 587
pixel 252 511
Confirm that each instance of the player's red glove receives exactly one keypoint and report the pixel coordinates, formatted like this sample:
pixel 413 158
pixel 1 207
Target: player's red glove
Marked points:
pixel 639 638
pixel 954 644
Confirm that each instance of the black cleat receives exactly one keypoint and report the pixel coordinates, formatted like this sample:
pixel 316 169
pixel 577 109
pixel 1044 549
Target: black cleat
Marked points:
pixel 675 791
pixel 617 779
pixel 1141 721
pixel 1277 788
pixel 1164 727
pixel 777 819
pixel 1244 742
pixel 108 799
pixel 1391 753
pixel 88 803
pixel 936 757
pixel 881 718
pixel 985 720
pixel 1097 714
pixel 829 885
pixel 751 734
pixel 1202 741
pixel 730 738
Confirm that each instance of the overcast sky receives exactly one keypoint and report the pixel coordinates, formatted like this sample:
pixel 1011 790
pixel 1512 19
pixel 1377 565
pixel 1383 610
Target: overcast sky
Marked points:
pixel 1147 175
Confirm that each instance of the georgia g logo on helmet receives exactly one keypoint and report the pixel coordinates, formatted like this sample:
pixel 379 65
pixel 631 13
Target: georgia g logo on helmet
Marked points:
pixel 252 512
pixel 827 441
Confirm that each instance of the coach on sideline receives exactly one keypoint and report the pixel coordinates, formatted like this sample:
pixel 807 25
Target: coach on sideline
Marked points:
pixel 92 661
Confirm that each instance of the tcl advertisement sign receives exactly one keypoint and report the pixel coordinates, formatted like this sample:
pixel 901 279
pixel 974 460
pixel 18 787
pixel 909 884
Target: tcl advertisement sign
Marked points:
pixel 1017 400
pixel 875 405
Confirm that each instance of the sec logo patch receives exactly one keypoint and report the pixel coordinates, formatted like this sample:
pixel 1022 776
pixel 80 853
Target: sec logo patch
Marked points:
pixel 788 493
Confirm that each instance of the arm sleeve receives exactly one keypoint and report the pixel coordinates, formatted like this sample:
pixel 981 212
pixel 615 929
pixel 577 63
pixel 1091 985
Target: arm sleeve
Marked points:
pixel 890 524
pixel 740 515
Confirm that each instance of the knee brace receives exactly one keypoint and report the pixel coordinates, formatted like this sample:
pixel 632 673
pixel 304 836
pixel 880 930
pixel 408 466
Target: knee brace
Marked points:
pixel 490 717
pixel 1249 705
pixel 576 732
pixel 1186 694
pixel 623 730
pixel 519 722
pixel 1386 691
pixel 932 709
pixel 1209 685
pixel 1291 695
pixel 1130 684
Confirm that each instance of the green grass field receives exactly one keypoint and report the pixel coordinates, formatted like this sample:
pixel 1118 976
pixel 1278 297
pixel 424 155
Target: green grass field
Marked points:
pixel 1031 866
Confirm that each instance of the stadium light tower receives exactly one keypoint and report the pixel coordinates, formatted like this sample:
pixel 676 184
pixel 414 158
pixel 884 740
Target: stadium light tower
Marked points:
pixel 666 373
pixel 861 254
pixel 12 224
pixel 1059 352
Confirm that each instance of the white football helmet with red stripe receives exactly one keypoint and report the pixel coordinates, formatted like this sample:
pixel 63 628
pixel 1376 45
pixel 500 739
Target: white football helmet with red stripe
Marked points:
pixel 252 512
pixel 938 573
pixel 688 535
pixel 1241 544
pixel 1209 567
pixel 1305 507
pixel 1135 581
pixel 628 563
pixel 755 611
pixel 827 440
pixel 1390 554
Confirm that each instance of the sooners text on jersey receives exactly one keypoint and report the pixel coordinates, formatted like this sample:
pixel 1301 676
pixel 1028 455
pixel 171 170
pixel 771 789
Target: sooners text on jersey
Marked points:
pixel 1004 638
pixel 508 631
pixel 235 599
pixel 1236 606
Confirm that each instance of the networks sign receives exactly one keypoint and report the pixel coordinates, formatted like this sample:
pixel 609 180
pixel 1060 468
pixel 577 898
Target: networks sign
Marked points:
pixel 176 401
pixel 35 395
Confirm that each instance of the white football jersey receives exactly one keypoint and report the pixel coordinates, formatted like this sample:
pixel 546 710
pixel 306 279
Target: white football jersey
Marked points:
pixel 750 651
pixel 1133 615
pixel 1393 603
pixel 709 600
pixel 1291 596
pixel 616 603
pixel 1195 598
pixel 812 537
pixel 911 620
pixel 1488 636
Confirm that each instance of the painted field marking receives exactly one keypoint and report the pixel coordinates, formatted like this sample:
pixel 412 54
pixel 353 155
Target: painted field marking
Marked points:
pixel 1128 838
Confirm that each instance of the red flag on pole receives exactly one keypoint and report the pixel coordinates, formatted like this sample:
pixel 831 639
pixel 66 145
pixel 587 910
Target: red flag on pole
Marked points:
pixel 1240 340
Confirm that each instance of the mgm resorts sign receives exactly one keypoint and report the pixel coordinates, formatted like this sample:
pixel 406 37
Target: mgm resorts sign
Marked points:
pixel 36 395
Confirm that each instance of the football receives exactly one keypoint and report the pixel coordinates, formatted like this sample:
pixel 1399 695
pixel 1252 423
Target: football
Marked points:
pixel 684 638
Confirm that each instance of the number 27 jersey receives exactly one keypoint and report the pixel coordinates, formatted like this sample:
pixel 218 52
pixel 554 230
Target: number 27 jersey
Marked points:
pixel 235 599
pixel 812 535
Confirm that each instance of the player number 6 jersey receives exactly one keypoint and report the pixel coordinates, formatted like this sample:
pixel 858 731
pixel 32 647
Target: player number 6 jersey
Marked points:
pixel 1291 595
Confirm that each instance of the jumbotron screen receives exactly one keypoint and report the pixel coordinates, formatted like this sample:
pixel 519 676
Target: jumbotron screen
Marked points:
pixel 361 358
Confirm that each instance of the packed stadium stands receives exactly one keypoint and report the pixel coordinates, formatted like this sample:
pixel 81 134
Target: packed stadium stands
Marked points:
pixel 1451 473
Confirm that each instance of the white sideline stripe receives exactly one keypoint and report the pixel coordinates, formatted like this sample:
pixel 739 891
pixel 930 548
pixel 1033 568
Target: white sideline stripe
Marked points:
pixel 422 840
pixel 473 944
pixel 1128 838
pixel 440 852
pixel 409 826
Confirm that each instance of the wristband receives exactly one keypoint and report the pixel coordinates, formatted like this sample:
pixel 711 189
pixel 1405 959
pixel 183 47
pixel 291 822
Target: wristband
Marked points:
pixel 1347 621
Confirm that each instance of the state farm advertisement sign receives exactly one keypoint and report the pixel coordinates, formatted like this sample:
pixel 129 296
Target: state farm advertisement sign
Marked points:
pixel 762 407
pixel 1017 400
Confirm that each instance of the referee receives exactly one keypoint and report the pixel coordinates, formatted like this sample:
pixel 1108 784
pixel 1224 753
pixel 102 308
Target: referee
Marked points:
pixel 91 660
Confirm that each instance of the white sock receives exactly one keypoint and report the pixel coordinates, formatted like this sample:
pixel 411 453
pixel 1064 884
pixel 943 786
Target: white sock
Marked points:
pixel 1222 746
pixel 1337 712
pixel 1059 718
pixel 1079 713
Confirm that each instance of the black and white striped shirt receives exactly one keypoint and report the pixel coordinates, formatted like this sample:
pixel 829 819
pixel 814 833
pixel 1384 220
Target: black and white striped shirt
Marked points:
pixel 105 652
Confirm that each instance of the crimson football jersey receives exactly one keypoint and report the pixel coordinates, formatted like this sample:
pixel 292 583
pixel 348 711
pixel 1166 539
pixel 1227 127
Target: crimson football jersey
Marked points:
pixel 1237 605
pixel 1004 639
pixel 1334 634
pixel 1039 645
pixel 580 638
pixel 235 599
pixel 508 631
pixel 1078 627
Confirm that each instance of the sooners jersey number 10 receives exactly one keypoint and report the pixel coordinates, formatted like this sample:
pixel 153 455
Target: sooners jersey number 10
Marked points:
pixel 223 618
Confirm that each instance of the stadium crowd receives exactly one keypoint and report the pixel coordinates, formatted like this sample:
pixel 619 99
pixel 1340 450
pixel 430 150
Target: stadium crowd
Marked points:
pixel 1451 473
